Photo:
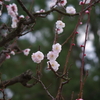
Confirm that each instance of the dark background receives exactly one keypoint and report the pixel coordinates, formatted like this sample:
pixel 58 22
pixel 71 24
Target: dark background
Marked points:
pixel 43 36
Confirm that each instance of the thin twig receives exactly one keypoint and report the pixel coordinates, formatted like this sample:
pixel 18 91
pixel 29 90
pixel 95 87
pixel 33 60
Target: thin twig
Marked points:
pixel 24 8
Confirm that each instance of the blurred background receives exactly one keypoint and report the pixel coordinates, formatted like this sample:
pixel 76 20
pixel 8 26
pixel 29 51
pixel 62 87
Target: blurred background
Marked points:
pixel 43 36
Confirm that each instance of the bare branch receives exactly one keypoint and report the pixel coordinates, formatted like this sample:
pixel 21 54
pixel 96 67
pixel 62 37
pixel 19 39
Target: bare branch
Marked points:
pixel 22 78
pixel 24 8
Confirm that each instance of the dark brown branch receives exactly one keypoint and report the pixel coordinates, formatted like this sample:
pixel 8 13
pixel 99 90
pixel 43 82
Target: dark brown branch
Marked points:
pixel 22 78
pixel 46 89
pixel 24 8
pixel 44 14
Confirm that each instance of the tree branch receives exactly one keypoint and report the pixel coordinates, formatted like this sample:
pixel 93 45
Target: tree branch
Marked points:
pixel 22 78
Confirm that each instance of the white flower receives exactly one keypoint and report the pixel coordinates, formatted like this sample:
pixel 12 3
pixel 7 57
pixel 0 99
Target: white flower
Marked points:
pixel 70 10
pixel 12 10
pixel 14 22
pixel 86 1
pixel 7 56
pixel 21 16
pixel 60 24
pixel 1 2
pixel 12 52
pixel 40 11
pixel 59 30
pixel 54 64
pixel 51 4
pixel 37 57
pixel 62 2
pixel 26 51
pixel 56 47
pixel 52 55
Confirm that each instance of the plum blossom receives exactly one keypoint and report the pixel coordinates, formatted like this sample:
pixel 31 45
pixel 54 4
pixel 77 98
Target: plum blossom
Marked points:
pixel 87 12
pixel 14 22
pixel 79 99
pixel 52 4
pixel 70 10
pixel 26 51
pixel 52 55
pixel 40 11
pixel 1 2
pixel 60 24
pixel 21 16
pixel 62 2
pixel 7 56
pixel 56 48
pixel 86 1
pixel 12 52
pixel 59 30
pixel 54 64
pixel 37 57
pixel 12 10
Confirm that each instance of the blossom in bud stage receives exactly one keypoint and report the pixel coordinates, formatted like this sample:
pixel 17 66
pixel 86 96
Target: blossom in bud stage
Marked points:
pixel 26 51
pixel 80 23
pixel 86 1
pixel 81 3
pixel 87 11
pixel 84 54
pixel 59 30
pixel 37 57
pixel 79 99
pixel 54 64
pixel 62 2
pixel 21 16
pixel 40 11
pixel 14 22
pixel 70 10
pixel 12 52
pixel 52 55
pixel 82 46
pixel 73 44
pixel 60 24
pixel 56 48
pixel 12 10
pixel 7 56
pixel 76 32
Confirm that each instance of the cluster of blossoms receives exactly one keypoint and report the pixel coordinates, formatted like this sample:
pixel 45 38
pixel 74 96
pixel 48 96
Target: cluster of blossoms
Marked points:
pixel 38 56
pixel 52 56
pixel 25 51
pixel 40 11
pixel 69 9
pixel 60 3
pixel 13 12
pixel 59 26
pixel 84 2
pixel 8 54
